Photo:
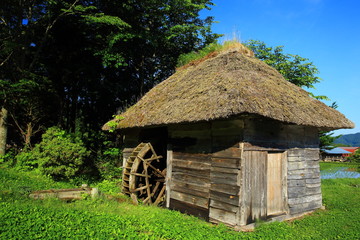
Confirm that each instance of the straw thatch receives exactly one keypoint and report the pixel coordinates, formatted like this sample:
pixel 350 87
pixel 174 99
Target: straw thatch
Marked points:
pixel 228 85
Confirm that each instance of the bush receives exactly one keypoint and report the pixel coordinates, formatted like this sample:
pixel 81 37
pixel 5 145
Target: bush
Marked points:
pixel 59 155
pixel 109 161
pixel 355 157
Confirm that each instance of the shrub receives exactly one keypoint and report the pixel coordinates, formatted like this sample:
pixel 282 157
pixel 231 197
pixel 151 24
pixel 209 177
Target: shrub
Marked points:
pixel 59 155
pixel 109 161
pixel 355 157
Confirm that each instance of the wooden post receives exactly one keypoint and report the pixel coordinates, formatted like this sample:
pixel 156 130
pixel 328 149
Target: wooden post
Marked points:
pixel 169 160
pixel 3 130
pixel 240 211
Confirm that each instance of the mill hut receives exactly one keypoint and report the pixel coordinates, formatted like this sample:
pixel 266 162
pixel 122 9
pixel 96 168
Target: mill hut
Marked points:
pixel 228 139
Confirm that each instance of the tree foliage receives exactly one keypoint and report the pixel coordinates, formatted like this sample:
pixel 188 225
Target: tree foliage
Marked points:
pixel 355 157
pixel 327 140
pixel 59 155
pixel 74 63
pixel 297 70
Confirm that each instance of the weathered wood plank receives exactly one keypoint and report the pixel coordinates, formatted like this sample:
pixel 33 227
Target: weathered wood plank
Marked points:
pixel 231 177
pixel 297 171
pixel 231 182
pixel 224 197
pixel 305 199
pixel 304 153
pixel 222 216
pixel 296 192
pixel 275 187
pixel 312 175
pixel 193 172
pixel 168 182
pixel 253 204
pixel 195 157
pixel 193 186
pixel 197 180
pixel 313 180
pixel 223 205
pixel 191 164
pixel 65 194
pixel 312 164
pixel 264 146
pixel 223 162
pixel 190 189
pixel 189 209
pixel 313 190
pixel 303 207
pixel 225 188
pixel 224 170
pixel 295 176
pixel 313 185
pixel 296 165
pixel 191 199
pixel 227 153
pixel 297 183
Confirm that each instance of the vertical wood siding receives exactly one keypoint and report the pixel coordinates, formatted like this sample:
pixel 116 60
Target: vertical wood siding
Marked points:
pixel 254 183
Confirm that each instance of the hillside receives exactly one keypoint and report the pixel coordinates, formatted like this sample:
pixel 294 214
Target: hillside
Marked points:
pixel 352 140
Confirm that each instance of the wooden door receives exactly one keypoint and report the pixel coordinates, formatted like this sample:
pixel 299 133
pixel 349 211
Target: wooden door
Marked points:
pixel 253 200
pixel 275 183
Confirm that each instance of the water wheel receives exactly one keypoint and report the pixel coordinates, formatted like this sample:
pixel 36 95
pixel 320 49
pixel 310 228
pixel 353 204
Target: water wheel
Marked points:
pixel 144 176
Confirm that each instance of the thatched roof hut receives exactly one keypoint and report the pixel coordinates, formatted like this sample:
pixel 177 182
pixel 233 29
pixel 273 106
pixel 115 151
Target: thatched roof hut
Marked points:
pixel 226 85
pixel 238 142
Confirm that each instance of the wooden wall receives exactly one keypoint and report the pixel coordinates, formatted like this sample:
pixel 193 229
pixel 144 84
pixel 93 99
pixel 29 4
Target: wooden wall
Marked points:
pixel 225 172
pixel 218 168
pixel 304 183
pixel 266 134
pixel 301 144
pixel 205 169
pixel 191 162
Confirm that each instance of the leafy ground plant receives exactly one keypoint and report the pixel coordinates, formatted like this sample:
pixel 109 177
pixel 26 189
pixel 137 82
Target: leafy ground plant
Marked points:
pixel 23 218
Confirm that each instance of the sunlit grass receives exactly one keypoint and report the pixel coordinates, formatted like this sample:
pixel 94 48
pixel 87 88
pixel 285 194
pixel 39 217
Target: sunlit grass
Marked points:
pixel 23 218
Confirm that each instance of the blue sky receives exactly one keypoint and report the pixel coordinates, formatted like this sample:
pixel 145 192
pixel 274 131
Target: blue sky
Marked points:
pixel 327 32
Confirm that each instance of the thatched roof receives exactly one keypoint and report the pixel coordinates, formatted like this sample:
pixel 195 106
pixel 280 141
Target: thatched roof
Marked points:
pixel 225 85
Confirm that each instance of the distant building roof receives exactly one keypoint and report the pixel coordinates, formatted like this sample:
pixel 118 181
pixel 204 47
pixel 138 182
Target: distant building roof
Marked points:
pixel 336 150
pixel 349 149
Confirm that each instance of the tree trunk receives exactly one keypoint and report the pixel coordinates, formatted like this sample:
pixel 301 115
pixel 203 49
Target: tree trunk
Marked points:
pixel 28 135
pixel 3 130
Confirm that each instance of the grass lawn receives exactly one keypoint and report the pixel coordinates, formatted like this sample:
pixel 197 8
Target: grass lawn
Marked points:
pixel 23 218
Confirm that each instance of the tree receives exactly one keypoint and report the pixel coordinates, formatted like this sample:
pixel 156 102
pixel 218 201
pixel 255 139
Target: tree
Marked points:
pixel 160 32
pixel 327 140
pixel 73 63
pixel 295 69
pixel 59 155
pixel 3 131
pixel 25 87
pixel 355 157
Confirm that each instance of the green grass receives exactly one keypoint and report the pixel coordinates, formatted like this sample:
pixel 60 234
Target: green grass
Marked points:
pixel 23 218
pixel 211 48
pixel 324 166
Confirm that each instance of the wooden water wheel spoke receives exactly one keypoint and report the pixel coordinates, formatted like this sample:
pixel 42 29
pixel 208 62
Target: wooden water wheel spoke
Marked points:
pixel 161 196
pixel 140 188
pixel 155 188
pixel 144 175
